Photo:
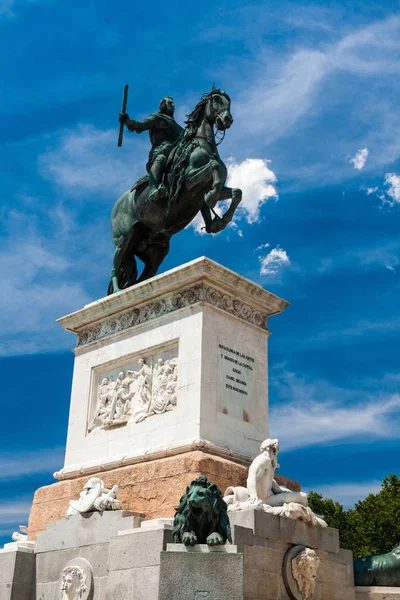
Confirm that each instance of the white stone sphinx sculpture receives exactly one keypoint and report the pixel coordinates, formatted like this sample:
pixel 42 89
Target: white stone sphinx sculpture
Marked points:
pixel 263 492
pixel 305 570
pixel 94 497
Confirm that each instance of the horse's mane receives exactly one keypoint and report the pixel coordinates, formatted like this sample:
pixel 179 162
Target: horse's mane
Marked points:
pixel 195 118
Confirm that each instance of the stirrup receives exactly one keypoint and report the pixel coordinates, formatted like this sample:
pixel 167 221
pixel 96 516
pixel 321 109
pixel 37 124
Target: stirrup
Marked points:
pixel 160 192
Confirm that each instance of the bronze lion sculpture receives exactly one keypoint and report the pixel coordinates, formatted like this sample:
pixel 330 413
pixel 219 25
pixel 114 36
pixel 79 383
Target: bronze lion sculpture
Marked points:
pixel 381 570
pixel 201 517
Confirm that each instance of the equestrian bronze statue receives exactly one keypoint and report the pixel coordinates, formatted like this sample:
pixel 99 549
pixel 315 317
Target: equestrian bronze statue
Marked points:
pixel 185 175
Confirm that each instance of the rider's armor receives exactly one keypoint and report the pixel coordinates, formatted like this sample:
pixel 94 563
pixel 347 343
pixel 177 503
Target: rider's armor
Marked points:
pixel 164 131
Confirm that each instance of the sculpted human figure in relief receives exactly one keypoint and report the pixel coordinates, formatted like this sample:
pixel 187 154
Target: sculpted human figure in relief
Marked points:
pixel 135 394
pixel 264 493
pixel 304 570
pixel 164 387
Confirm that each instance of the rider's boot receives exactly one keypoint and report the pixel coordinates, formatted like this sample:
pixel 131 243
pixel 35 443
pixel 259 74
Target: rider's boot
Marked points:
pixel 157 189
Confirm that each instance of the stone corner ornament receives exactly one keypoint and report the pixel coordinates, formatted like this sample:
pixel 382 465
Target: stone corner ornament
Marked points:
pixel 300 570
pixel 94 497
pixel 264 493
pixel 21 535
pixel 76 580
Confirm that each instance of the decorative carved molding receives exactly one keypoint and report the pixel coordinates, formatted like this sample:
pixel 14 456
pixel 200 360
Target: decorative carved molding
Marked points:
pixel 164 306
pixel 235 307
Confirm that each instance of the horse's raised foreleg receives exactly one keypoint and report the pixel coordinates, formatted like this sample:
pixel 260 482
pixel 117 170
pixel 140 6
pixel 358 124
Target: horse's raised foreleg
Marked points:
pixel 219 223
pixel 218 184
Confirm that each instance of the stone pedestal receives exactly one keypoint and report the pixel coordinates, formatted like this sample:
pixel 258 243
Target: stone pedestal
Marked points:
pixel 201 573
pixel 265 539
pixel 210 326
pixel 118 555
pixel 170 382
pixel 17 572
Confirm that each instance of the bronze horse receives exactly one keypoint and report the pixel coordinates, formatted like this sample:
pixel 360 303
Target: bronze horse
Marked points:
pixel 195 179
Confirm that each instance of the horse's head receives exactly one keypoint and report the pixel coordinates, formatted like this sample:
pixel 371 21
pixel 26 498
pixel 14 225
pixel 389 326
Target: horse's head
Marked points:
pixel 215 107
pixel 218 109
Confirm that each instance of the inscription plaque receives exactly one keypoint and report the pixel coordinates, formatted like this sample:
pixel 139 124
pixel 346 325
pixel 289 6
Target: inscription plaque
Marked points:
pixel 237 374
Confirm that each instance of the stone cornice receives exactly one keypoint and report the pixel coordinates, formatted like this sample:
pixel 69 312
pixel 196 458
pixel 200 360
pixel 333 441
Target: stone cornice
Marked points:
pixel 200 281
pixel 89 468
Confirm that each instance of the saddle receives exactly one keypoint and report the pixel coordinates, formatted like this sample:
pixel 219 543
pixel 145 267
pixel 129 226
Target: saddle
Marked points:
pixel 140 184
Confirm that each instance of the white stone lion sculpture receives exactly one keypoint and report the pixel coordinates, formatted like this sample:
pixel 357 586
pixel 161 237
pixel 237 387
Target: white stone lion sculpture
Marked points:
pixel 264 493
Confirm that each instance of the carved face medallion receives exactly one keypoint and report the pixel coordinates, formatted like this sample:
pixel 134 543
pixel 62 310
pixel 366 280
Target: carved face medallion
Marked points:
pixel 300 570
pixel 76 580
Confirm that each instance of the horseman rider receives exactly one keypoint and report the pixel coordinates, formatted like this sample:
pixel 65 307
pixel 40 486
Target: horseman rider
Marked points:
pixel 164 131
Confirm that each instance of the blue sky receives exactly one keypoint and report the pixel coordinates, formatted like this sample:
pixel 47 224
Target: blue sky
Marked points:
pixel 316 148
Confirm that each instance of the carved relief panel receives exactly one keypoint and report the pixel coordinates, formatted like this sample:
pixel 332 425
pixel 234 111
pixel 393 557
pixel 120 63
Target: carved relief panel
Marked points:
pixel 140 388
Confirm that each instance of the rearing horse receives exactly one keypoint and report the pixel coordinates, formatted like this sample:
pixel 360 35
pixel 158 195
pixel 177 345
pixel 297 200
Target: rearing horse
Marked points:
pixel 195 178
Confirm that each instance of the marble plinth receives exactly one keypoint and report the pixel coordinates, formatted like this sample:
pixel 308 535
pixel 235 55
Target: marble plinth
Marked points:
pixel 175 363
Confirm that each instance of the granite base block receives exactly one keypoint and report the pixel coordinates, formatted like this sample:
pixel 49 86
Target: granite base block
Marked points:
pixel 193 575
pixel 77 531
pixel 17 574
pixel 264 540
pixel 140 548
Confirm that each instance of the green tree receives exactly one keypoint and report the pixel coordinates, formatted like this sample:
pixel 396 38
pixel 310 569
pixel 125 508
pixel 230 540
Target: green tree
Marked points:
pixel 330 510
pixel 372 526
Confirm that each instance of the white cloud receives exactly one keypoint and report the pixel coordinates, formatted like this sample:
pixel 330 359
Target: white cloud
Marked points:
pixel 320 413
pixel 359 159
pixel 31 462
pixel 276 100
pixel 393 182
pixel 256 180
pixel 273 261
pixel 36 294
pixel 87 160
pixel 14 511
pixel 347 493
pixel 43 283
pixel 295 94
pixel 391 196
